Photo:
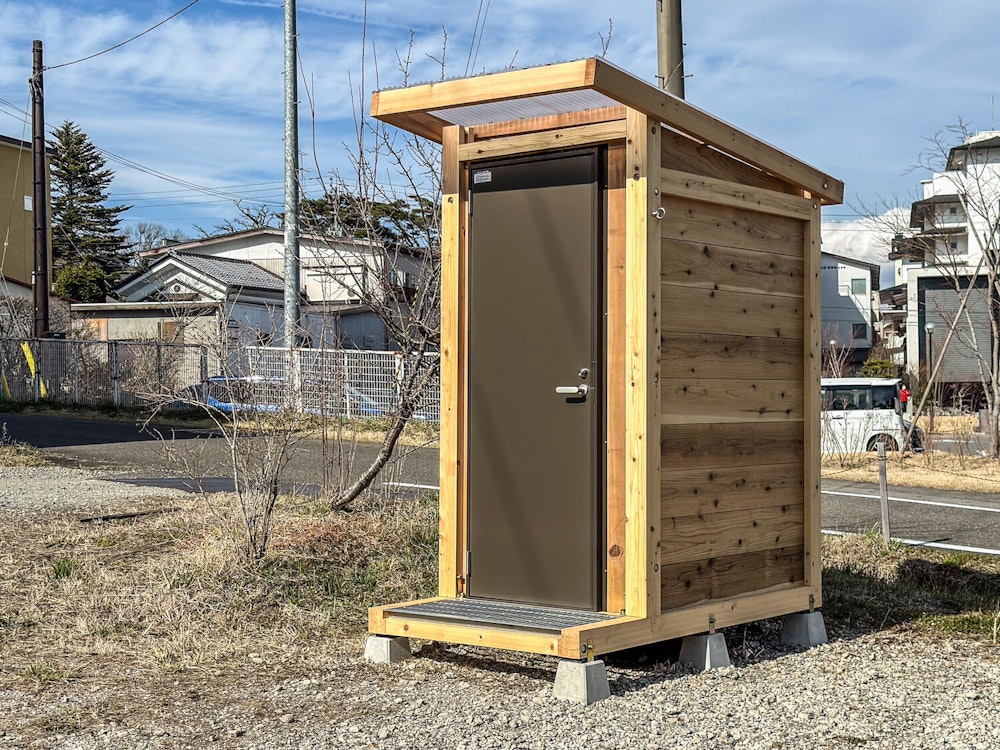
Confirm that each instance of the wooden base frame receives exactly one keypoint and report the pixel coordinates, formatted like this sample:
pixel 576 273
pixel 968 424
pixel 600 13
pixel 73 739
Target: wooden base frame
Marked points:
pixel 605 637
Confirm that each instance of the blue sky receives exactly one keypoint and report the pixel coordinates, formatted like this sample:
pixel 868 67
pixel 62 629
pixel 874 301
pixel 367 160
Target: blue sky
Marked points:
pixel 850 86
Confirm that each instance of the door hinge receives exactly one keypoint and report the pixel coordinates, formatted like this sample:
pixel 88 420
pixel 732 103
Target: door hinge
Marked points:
pixel 468 564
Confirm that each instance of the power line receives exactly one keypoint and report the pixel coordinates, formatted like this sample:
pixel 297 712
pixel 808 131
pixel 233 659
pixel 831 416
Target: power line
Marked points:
pixel 122 44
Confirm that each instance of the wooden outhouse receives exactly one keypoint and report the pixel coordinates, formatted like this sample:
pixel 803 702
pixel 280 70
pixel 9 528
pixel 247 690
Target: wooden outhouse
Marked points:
pixel 630 365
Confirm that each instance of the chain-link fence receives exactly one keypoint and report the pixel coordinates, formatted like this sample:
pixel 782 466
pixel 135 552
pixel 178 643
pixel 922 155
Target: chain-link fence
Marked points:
pixel 125 374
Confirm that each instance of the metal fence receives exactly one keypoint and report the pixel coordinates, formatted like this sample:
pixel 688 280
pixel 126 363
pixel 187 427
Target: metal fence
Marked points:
pixel 126 374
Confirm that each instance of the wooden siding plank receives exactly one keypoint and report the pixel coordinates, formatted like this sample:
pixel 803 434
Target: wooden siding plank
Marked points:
pixel 734 194
pixel 697 581
pixel 451 547
pixel 681 115
pixel 707 356
pixel 694 310
pixel 728 488
pixel 706 446
pixel 615 377
pixel 582 135
pixel 642 340
pixel 702 537
pixel 683 153
pixel 736 269
pixel 548 122
pixel 690 400
pixel 703 223
pixel 813 366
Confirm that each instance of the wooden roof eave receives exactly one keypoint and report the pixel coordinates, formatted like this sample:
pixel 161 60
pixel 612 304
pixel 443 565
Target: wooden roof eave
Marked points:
pixel 411 108
pixel 683 116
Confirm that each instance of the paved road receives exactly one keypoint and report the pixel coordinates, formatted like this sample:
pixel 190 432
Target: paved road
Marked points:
pixel 123 445
pixel 89 442
pixel 967 519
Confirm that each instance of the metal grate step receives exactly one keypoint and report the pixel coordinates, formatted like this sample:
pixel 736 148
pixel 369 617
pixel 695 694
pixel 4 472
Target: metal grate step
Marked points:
pixel 500 614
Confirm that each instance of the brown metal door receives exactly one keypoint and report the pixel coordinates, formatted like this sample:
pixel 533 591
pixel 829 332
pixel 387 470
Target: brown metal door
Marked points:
pixel 535 314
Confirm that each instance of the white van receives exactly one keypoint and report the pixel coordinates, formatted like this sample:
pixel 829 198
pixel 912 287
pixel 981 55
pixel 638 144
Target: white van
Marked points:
pixel 859 412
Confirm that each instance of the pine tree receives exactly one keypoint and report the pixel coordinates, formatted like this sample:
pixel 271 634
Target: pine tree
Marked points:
pixel 84 229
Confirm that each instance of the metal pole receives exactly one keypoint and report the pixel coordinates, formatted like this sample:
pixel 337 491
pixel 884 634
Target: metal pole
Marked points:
pixel 291 334
pixel 930 378
pixel 39 200
pixel 670 46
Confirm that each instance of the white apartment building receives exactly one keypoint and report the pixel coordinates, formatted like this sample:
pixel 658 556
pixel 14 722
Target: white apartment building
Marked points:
pixel 942 254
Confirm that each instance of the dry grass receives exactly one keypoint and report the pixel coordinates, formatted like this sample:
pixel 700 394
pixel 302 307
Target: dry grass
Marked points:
pixel 933 469
pixel 943 424
pixel 159 592
pixel 21 455
pixel 13 453
pixel 867 586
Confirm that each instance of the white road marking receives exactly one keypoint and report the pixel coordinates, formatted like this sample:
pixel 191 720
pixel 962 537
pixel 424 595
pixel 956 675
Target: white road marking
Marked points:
pixel 957 506
pixel 918 543
pixel 411 486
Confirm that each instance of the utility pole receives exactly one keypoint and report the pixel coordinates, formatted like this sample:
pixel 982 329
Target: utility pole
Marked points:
pixel 39 199
pixel 670 46
pixel 292 313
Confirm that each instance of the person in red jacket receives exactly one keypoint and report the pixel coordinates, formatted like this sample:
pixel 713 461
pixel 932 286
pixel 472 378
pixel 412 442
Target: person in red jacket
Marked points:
pixel 904 397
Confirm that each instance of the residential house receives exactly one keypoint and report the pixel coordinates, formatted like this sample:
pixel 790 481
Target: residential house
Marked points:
pixel 17 242
pixel 191 298
pixel 338 277
pixel 848 288
pixel 234 282
pixel 942 256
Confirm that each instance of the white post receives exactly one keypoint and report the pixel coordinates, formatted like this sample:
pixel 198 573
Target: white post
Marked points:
pixel 883 491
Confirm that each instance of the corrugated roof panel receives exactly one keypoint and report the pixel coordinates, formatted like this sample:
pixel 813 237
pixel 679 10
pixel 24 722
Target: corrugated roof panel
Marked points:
pixel 233 272
pixel 525 108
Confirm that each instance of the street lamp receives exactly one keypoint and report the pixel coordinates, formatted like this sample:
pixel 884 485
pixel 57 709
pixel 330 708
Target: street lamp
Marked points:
pixel 831 359
pixel 929 327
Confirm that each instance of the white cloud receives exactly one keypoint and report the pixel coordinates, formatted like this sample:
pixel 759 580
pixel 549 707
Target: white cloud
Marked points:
pixel 850 86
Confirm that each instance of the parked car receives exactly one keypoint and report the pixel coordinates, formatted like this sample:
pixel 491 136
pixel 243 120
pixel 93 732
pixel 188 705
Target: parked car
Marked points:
pixel 858 413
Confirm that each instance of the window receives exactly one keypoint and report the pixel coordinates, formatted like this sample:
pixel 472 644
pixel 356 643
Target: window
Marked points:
pixel 953 211
pixel 859 331
pixel 859 286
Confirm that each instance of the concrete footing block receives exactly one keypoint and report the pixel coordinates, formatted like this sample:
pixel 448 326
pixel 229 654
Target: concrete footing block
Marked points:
pixel 582 682
pixel 805 629
pixel 705 652
pixel 384 649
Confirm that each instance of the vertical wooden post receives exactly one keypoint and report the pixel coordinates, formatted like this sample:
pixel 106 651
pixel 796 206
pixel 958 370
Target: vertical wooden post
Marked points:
pixel 813 370
pixel 452 441
pixel 642 342
pixel 617 373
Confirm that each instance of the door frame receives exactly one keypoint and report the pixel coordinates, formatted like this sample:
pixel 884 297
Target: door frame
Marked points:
pixel 598 348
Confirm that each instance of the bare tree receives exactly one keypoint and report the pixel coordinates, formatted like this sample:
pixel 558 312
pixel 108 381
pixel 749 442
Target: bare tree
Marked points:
pixel 962 218
pixel 391 200
pixel 144 236
pixel 836 358
pixel 261 423
pixel 248 216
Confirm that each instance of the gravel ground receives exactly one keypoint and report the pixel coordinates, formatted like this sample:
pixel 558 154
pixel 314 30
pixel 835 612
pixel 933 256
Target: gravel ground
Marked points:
pixel 60 488
pixel 891 689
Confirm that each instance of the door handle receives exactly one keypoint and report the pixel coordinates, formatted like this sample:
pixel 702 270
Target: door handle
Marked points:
pixel 580 391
